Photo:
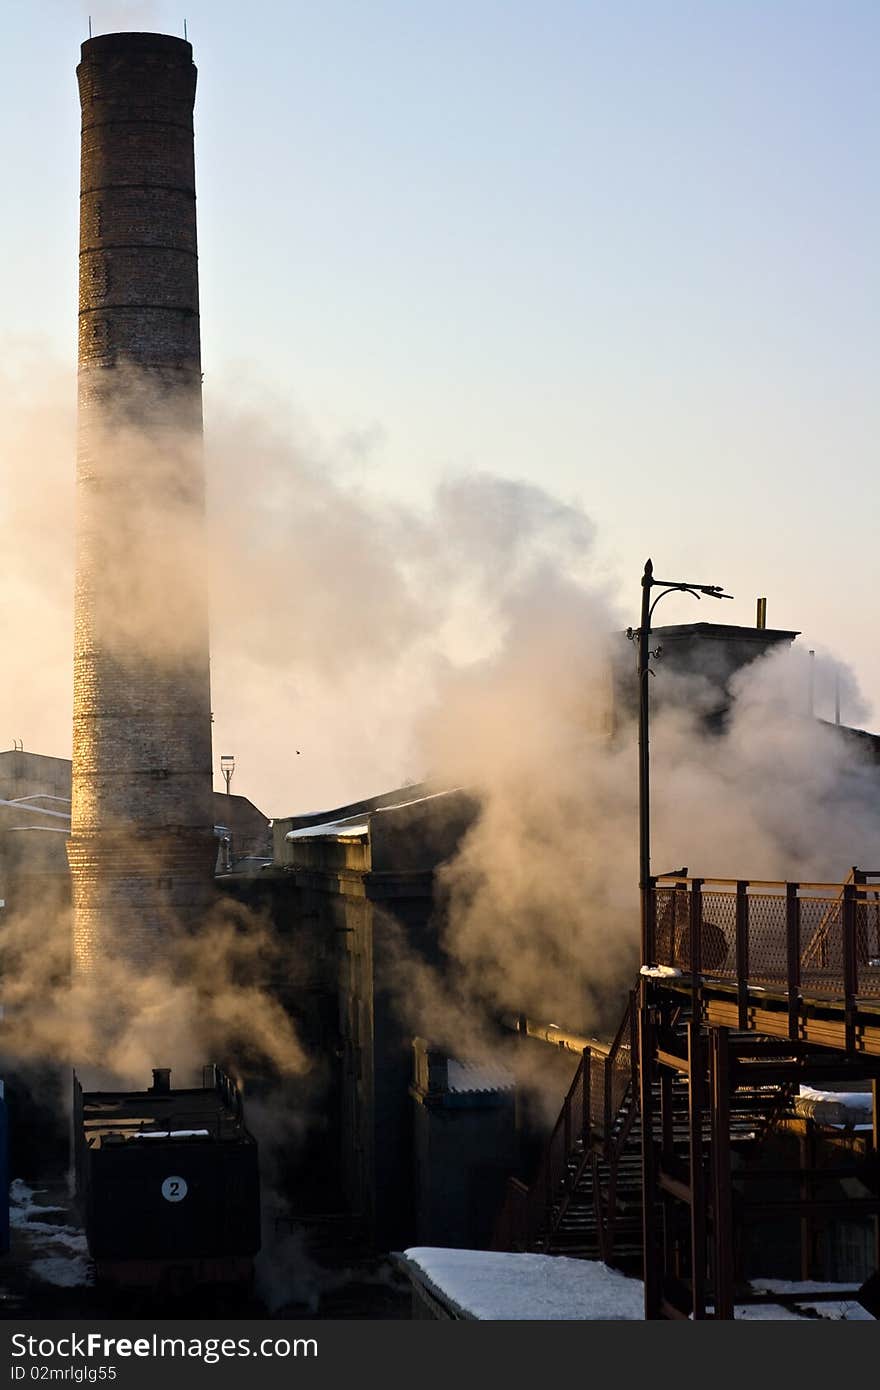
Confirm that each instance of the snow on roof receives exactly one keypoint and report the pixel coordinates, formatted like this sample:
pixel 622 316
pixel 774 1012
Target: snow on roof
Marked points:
pixel 25 804
pixel 495 1286
pixel 416 801
pixel 501 1287
pixel 172 1134
pixel 38 797
pixel 348 829
pixel 462 1077
pixel 43 829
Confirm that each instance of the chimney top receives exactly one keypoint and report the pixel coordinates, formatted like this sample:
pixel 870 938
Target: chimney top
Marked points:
pixel 131 43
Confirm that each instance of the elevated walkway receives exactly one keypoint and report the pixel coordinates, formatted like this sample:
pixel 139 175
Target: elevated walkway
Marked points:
pixel 752 989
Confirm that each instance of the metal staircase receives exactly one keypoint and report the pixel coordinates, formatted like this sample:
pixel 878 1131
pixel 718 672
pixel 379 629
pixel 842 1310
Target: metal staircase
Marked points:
pixel 586 1197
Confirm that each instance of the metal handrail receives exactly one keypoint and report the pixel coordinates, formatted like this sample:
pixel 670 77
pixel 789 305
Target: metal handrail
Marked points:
pixel 857 879
pixel 820 936
pixel 537 1210
pixel 772 951
pixel 836 887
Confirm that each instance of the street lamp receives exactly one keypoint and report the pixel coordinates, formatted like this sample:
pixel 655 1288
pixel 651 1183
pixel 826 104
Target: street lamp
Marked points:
pixel 642 634
pixel 646 1035
pixel 227 767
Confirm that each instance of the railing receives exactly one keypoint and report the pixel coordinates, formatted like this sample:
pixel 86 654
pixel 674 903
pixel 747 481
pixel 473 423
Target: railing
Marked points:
pixel 589 1121
pixel 816 940
pixel 818 951
pixel 806 940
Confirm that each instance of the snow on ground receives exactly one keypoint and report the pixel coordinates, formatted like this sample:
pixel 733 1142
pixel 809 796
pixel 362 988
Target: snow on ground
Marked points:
pixel 835 1107
pixel 60 1251
pixel 844 1311
pixel 66 1272
pixel 856 1100
pixel 495 1286
pixel 22 1205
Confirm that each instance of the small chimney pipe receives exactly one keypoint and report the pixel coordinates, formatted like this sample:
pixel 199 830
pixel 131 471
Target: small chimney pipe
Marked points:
pixel 161 1081
pixel 761 618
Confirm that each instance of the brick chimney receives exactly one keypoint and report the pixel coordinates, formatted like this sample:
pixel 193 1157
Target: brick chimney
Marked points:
pixel 141 850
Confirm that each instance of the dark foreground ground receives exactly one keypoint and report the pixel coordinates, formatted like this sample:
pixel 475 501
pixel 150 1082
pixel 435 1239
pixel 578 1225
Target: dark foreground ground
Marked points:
pixel 320 1269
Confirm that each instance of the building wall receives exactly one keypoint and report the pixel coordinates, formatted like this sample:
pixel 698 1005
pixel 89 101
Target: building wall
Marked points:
pixel 33 774
pixel 711 652
pixel 465 1149
pixel 367 876
pixel 371 894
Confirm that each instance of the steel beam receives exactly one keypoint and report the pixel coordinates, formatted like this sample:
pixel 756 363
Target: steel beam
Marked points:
pixel 722 1200
pixel 695 1145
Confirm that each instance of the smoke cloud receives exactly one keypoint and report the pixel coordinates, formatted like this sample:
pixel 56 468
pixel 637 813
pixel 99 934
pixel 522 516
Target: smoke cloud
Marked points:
pixel 469 642
pixel 210 998
pixel 541 911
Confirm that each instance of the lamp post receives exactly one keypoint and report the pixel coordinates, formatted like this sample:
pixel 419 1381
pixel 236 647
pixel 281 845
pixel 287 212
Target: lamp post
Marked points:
pixel 646 1041
pixel 643 634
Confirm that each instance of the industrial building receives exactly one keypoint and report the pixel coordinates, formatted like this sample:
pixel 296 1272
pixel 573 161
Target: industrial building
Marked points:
pixel 677 1139
pixel 35 826
pixel 409 1153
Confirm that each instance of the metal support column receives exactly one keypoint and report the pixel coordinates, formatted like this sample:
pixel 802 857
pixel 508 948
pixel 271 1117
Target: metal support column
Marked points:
pixel 696 1087
pixel 875 1096
pixel 722 1197
pixel 669 1232
pixel 651 1267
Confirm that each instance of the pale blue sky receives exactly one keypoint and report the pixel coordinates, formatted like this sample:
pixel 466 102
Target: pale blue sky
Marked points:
pixel 625 250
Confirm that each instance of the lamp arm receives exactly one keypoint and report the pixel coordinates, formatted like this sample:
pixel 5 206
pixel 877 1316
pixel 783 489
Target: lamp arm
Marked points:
pixel 671 589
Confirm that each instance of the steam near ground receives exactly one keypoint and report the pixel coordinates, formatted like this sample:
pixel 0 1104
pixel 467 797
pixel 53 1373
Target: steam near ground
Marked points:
pixel 468 642
pixel 209 997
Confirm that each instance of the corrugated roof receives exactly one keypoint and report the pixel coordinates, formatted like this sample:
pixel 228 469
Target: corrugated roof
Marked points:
pixel 468 1077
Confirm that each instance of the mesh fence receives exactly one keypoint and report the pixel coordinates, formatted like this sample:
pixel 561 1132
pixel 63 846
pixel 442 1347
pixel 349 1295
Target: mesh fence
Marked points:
pixel 620 1062
pixel 576 1106
pixel 597 1092
pixel 868 943
pixel 767 938
pixel 556 1164
pixel 821 937
pixel 822 946
pixel 718 935
pixel 621 1076
pixel 672 917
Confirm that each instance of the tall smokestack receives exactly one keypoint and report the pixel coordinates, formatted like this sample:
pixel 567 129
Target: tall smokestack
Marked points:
pixel 141 850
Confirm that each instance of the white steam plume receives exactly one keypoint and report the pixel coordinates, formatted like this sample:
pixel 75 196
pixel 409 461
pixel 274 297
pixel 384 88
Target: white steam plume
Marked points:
pixel 468 642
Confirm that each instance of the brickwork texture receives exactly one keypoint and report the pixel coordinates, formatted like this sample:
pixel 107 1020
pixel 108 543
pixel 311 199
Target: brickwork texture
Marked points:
pixel 142 849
